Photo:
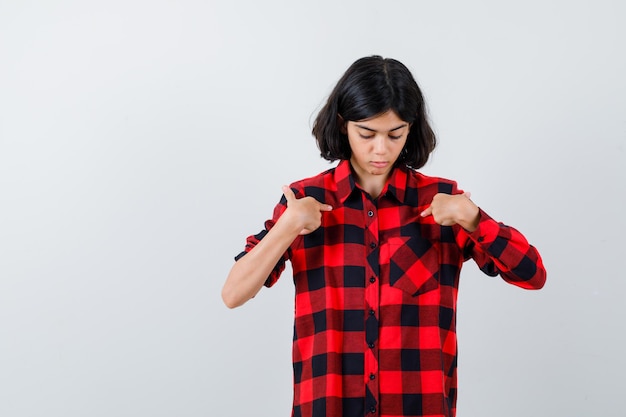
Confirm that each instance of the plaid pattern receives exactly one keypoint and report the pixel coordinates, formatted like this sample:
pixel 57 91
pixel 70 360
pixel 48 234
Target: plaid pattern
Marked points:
pixel 376 294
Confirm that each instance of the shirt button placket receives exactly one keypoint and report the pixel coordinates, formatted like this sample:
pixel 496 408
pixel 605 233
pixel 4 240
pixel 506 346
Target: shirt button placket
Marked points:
pixel 372 301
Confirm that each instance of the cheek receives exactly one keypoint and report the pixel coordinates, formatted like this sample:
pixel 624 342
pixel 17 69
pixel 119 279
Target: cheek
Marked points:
pixel 396 146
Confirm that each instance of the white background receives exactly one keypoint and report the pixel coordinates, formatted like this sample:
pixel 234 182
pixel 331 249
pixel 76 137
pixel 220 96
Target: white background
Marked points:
pixel 142 141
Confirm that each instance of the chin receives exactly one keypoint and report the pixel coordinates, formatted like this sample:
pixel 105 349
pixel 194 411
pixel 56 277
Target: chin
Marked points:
pixel 379 172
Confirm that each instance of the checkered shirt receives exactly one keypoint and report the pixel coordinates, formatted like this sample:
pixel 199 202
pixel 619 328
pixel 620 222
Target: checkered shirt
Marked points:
pixel 376 294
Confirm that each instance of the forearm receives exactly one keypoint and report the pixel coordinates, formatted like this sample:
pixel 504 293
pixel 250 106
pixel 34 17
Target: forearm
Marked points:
pixel 250 272
pixel 501 249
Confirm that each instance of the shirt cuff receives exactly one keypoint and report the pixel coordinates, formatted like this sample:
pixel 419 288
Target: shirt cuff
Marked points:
pixel 487 230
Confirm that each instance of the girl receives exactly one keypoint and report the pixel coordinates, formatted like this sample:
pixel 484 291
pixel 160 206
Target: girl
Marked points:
pixel 376 250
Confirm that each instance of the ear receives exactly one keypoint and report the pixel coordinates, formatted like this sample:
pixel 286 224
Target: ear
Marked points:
pixel 343 125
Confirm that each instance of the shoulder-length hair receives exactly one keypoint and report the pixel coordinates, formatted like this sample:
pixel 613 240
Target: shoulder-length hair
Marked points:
pixel 370 87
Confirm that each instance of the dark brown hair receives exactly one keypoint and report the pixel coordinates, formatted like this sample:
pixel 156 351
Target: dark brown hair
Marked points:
pixel 370 87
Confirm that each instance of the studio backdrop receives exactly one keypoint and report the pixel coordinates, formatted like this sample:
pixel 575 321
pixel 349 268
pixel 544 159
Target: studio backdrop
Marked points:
pixel 142 141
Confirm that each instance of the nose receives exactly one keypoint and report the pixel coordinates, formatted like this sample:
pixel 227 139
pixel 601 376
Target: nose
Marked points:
pixel 379 145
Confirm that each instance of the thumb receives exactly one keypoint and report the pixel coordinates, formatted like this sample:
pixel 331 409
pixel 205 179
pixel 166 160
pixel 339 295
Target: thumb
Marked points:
pixel 467 194
pixel 289 195
pixel 427 212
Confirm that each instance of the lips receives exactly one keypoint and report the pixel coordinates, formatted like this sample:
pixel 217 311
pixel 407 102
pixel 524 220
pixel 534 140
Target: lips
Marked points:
pixel 378 164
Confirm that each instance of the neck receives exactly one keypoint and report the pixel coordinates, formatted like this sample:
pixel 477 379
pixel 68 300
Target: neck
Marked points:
pixel 372 184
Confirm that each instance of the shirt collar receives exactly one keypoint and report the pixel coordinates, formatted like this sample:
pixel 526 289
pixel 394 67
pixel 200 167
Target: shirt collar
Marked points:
pixel 344 180
pixel 396 183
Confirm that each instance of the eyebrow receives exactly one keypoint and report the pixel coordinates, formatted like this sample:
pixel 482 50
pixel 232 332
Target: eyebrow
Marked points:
pixel 373 130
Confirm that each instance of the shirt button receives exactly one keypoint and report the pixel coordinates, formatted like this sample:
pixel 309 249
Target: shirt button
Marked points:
pixel 370 213
pixel 481 238
pixel 373 245
pixel 371 345
pixel 372 279
pixel 372 376
pixel 372 410
pixel 372 312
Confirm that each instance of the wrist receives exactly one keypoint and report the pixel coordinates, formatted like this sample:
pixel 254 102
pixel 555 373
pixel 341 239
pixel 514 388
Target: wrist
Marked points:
pixel 288 224
pixel 470 217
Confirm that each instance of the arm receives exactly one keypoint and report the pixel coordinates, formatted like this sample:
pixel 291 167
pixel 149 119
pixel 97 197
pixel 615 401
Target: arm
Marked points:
pixel 499 249
pixel 496 248
pixel 247 276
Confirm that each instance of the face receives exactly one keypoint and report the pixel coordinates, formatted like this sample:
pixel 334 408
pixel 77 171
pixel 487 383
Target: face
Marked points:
pixel 376 144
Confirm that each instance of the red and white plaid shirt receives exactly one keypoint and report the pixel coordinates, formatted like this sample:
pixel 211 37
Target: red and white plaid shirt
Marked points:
pixel 376 295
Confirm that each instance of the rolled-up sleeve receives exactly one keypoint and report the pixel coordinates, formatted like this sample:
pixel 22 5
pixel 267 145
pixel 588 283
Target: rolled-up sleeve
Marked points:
pixel 499 249
pixel 253 240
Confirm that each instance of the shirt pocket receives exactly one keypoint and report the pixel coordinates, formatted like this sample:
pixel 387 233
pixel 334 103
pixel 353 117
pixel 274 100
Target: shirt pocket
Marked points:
pixel 413 264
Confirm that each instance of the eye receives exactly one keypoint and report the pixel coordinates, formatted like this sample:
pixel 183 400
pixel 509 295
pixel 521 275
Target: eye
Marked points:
pixel 365 136
pixel 395 137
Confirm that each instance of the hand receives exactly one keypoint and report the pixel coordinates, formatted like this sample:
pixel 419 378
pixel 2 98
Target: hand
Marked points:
pixel 305 213
pixel 448 210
